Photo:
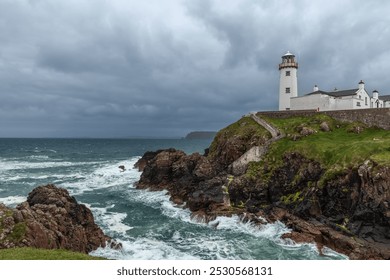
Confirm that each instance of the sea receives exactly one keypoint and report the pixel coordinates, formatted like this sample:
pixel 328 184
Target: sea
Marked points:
pixel 147 223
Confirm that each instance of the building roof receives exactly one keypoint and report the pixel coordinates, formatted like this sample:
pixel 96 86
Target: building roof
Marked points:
pixel 384 97
pixel 337 93
pixel 288 54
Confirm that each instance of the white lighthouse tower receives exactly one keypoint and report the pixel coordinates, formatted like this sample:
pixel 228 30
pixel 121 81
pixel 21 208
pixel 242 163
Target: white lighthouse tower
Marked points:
pixel 288 86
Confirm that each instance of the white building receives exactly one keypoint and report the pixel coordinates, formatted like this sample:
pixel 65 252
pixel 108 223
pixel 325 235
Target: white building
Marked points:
pixel 380 101
pixel 357 98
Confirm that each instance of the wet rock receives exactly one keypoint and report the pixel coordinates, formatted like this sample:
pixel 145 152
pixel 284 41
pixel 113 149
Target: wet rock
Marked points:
pixel 141 163
pixel 51 219
pixel 347 210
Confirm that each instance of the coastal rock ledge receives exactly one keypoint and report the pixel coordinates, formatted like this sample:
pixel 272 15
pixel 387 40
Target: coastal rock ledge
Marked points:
pixel 50 219
pixel 316 216
pixel 331 188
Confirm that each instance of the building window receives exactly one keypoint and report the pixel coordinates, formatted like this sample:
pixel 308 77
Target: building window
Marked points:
pixel 288 73
pixel 366 101
pixel 358 104
pixel 288 90
pixel 360 97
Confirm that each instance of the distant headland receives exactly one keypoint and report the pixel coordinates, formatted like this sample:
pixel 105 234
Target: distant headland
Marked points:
pixel 201 135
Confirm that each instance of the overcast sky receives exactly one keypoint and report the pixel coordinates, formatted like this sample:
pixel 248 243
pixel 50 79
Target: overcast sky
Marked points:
pixel 128 68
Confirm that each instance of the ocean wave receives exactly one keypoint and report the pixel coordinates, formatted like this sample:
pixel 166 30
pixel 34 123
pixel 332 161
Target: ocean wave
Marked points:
pixel 7 165
pixel 29 178
pixel 221 249
pixel 12 200
pixel 106 175
pixel 143 249
pixel 112 221
pixel 41 157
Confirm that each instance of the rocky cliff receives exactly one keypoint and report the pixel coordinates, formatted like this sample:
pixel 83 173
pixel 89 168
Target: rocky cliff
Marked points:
pixel 50 219
pixel 323 180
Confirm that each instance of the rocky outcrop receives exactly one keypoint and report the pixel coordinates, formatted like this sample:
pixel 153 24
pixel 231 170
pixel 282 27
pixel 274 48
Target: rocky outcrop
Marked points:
pixel 188 178
pixel 50 219
pixel 348 212
pixel 345 209
pixel 314 231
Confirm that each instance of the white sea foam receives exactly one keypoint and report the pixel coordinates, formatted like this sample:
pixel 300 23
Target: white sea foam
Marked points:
pixel 270 231
pixel 38 157
pixel 143 249
pixel 150 198
pixel 160 199
pixel 6 165
pixel 208 245
pixel 220 248
pixel 113 221
pixel 12 200
pixel 26 178
pixel 105 176
pixel 330 253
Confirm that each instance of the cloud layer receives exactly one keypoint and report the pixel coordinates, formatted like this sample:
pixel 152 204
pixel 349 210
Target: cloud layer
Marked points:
pixel 120 68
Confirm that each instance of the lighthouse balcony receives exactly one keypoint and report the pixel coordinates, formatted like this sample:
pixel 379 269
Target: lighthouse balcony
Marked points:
pixel 288 65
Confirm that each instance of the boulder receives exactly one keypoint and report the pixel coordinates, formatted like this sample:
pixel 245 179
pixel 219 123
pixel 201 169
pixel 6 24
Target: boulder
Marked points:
pixel 51 219
pixel 324 126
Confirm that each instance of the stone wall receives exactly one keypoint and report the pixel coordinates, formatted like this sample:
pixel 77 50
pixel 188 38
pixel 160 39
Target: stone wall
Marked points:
pixel 372 117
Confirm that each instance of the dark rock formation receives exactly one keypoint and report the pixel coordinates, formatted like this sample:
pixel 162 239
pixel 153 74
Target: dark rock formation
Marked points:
pixel 314 231
pixel 344 208
pixel 50 219
pixel 348 211
pixel 189 178
pixel 141 163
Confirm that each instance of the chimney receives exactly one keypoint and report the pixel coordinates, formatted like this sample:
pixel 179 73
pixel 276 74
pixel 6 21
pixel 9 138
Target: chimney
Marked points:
pixel 315 88
pixel 375 94
pixel 361 85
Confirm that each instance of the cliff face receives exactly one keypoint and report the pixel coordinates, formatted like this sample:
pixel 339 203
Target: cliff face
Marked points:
pixel 50 219
pixel 308 180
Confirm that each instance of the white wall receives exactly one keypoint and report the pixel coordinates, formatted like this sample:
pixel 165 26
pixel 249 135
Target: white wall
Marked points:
pixel 344 103
pixel 377 103
pixel 287 82
pixel 362 100
pixel 311 102
pixel 325 102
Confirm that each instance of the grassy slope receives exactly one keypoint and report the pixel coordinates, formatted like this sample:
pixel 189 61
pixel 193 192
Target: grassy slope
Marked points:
pixel 245 129
pixel 27 253
pixel 336 149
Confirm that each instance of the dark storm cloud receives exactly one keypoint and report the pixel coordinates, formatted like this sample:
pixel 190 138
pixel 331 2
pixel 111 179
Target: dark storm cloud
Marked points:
pixel 132 68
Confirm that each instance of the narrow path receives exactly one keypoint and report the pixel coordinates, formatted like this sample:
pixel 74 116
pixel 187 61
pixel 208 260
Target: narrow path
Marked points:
pixel 271 129
pixel 257 152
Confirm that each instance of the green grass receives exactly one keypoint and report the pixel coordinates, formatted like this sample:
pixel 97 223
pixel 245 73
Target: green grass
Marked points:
pixel 336 149
pixel 18 232
pixel 289 125
pixel 292 198
pixel 27 253
pixel 246 129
